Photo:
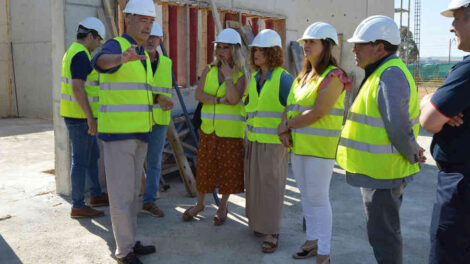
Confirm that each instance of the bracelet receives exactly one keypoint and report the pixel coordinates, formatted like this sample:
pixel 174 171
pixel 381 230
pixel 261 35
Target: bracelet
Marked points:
pixel 228 79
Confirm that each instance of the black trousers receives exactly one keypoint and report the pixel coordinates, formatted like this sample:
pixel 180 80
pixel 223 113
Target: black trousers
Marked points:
pixel 450 224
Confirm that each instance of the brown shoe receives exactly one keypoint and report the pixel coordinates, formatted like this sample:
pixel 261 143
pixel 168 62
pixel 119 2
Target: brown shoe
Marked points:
pixel 152 209
pixel 85 212
pixel 101 200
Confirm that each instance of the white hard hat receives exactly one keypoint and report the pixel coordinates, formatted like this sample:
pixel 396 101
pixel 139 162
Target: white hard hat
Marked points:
pixel 229 36
pixel 267 38
pixel 95 24
pixel 454 5
pixel 140 7
pixel 156 30
pixel 320 30
pixel 377 28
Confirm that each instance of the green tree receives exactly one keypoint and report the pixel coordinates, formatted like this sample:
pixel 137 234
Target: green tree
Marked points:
pixel 408 47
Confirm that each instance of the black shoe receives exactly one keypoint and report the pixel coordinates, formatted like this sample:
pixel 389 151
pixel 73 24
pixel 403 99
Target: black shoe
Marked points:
pixel 143 250
pixel 131 258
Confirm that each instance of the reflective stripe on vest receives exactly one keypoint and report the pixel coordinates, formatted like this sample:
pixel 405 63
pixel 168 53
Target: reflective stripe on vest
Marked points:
pixel 265 114
pixel 125 108
pixel 264 110
pixel 162 83
pixel 225 120
pixel 126 99
pixel 364 147
pixel 69 106
pixel 262 130
pixel 319 139
pixel 72 98
pixel 223 117
pixel 373 121
pixel 87 83
pixel 124 86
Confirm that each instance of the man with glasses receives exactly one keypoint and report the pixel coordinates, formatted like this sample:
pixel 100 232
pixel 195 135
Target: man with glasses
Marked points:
pixel 446 114
pixel 378 147
pixel 125 114
pixel 79 107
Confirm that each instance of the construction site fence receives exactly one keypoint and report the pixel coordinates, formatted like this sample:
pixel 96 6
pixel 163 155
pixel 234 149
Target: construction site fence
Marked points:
pixel 429 72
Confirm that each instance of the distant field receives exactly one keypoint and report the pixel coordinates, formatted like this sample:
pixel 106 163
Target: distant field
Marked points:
pixel 427 87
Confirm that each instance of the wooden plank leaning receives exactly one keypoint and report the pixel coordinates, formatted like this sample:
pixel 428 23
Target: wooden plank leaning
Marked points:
pixel 180 157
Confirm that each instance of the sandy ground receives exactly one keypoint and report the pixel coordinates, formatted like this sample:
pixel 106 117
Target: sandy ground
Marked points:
pixel 35 226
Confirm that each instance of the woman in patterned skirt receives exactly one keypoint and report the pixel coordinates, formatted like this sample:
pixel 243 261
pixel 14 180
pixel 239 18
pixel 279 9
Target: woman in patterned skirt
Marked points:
pixel 221 149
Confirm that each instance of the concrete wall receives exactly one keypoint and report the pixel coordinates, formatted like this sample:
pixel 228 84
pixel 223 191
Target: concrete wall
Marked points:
pixel 343 15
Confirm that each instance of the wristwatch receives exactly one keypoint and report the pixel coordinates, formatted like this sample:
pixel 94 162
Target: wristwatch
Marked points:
pixel 218 100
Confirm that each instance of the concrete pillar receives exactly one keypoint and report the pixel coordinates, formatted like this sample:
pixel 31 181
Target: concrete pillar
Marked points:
pixel 62 147
pixel 5 96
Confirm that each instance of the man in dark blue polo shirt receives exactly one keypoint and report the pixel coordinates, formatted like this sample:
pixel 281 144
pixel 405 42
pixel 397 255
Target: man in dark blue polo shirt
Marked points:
pixel 446 113
pixel 78 107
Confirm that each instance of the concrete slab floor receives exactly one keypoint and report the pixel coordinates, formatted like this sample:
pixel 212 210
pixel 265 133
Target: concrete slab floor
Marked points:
pixel 35 226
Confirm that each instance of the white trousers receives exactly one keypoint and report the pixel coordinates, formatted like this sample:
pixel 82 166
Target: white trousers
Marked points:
pixel 313 176
pixel 124 163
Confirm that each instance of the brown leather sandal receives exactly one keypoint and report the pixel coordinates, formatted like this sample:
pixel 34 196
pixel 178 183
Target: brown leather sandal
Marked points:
pixel 220 220
pixel 188 216
pixel 270 247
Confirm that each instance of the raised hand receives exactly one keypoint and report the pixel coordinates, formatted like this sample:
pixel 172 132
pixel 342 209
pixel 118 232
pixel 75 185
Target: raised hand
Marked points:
pixel 131 55
pixel 226 69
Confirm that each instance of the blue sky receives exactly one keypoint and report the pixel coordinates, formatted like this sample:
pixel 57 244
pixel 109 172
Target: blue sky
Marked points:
pixel 435 33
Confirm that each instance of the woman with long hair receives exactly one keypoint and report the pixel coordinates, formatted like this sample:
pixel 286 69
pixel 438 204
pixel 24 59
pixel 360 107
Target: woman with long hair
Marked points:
pixel 221 149
pixel 311 127
pixel 266 159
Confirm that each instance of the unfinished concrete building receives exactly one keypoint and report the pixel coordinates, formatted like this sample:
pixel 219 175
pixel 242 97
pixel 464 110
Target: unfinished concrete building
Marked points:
pixel 35 34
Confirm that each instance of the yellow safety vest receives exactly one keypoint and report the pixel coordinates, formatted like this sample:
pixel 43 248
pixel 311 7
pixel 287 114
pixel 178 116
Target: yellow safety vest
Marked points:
pixel 264 110
pixel 364 146
pixel 226 120
pixel 162 84
pixel 68 104
pixel 319 139
pixel 126 97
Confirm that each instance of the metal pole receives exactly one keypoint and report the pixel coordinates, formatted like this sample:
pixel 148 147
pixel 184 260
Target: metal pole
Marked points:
pixel 450 46
pixel 180 98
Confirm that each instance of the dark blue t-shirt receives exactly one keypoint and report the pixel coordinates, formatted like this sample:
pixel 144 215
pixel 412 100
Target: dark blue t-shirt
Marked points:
pixel 112 46
pixel 80 66
pixel 452 144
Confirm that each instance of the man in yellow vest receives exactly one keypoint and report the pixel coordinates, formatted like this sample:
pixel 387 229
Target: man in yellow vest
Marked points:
pixel 378 147
pixel 79 107
pixel 162 84
pixel 125 122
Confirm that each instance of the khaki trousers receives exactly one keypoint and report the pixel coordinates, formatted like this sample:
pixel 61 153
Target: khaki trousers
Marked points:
pixel 124 163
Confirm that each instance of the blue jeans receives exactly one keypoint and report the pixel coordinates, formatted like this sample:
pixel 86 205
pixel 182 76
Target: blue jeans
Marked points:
pixel 85 155
pixel 450 224
pixel 154 162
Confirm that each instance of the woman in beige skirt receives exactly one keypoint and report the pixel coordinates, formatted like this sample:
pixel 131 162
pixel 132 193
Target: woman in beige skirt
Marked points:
pixel 266 159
